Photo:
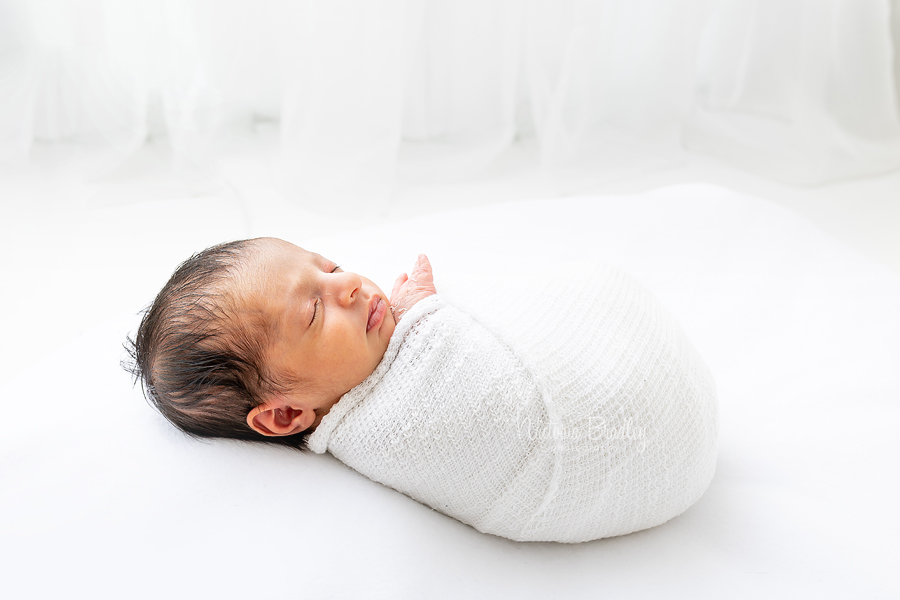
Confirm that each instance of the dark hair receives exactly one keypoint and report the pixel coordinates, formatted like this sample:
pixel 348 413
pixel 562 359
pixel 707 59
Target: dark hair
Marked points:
pixel 200 363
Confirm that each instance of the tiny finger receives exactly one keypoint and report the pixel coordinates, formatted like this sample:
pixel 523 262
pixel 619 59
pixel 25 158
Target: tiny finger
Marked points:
pixel 401 279
pixel 424 275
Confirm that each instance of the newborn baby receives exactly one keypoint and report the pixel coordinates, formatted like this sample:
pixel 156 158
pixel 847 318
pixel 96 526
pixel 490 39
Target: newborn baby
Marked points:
pixel 563 408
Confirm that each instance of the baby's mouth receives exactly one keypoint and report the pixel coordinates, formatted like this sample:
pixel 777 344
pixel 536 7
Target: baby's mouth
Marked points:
pixel 376 314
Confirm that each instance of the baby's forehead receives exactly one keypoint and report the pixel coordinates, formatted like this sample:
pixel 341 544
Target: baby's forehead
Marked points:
pixel 266 275
pixel 275 254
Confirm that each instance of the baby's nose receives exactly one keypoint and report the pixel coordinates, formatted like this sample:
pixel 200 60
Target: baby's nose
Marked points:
pixel 346 287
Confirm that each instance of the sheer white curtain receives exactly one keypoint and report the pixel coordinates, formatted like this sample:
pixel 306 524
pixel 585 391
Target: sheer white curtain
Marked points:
pixel 802 90
pixel 364 92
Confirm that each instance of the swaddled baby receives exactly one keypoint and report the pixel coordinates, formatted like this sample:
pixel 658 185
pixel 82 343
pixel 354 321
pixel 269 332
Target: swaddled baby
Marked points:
pixel 566 408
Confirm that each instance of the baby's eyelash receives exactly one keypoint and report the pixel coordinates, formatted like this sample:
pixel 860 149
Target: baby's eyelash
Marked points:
pixel 318 303
pixel 315 311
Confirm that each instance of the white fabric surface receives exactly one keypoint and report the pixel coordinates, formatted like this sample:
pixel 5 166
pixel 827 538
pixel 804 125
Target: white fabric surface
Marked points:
pixel 796 89
pixel 101 498
pixel 566 406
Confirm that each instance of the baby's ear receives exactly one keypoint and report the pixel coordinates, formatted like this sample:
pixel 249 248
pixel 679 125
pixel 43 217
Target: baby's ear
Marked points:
pixel 278 416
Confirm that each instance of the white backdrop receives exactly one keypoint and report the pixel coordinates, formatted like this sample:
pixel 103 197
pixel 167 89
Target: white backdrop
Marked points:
pixel 365 92
pixel 346 101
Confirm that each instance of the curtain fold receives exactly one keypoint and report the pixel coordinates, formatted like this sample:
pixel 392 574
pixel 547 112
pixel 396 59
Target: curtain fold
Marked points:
pixel 368 92
pixel 459 102
pixel 801 91
pixel 612 83
pixel 340 116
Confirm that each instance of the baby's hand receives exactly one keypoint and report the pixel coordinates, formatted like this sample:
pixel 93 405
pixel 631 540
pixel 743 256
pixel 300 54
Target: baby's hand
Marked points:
pixel 409 290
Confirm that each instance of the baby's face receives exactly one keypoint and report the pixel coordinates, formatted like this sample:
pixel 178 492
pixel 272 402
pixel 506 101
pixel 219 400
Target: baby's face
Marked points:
pixel 326 327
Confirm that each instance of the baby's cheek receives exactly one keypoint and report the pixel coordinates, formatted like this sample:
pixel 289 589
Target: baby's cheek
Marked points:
pixel 387 331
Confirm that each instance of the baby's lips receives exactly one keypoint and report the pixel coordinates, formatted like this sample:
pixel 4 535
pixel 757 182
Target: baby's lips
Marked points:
pixel 376 313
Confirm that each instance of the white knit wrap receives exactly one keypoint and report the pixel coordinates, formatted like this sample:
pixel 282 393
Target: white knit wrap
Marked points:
pixel 565 410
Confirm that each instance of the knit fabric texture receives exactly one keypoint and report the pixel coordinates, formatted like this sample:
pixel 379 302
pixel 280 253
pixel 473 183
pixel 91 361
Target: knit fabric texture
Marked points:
pixel 572 410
